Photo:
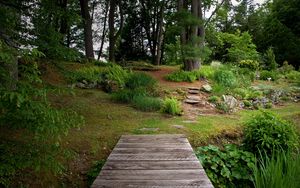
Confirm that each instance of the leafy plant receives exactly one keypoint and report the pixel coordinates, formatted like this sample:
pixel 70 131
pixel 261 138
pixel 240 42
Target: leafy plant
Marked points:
pixel 250 64
pixel 264 75
pixel 230 167
pixel 225 78
pixel 127 95
pixel 89 74
pixel 147 103
pixel 214 99
pixel 280 170
pixel 269 60
pixel 140 80
pixel 116 74
pixel 171 106
pixel 182 76
pixel 268 133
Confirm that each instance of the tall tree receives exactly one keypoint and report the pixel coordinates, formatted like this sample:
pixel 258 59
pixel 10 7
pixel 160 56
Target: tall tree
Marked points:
pixel 88 32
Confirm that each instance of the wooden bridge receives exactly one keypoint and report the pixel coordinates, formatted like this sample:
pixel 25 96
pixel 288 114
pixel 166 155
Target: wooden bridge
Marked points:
pixel 152 161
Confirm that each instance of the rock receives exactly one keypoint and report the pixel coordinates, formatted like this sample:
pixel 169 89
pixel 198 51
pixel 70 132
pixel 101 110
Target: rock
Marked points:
pixel 193 97
pixel 178 126
pixel 275 95
pixel 193 88
pixel 191 101
pixel 194 91
pixel 85 82
pixel 206 88
pixel 149 129
pixel 230 102
pixel 81 85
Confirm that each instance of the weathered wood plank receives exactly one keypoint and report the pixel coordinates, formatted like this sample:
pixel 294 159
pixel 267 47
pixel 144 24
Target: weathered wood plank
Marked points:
pixel 204 183
pixel 152 145
pixel 156 140
pixel 154 157
pixel 151 150
pixel 151 165
pixel 152 161
pixel 152 174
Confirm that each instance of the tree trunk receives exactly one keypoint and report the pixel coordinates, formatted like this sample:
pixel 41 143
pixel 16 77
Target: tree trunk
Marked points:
pixel 160 34
pixel 111 25
pixel 104 31
pixel 87 22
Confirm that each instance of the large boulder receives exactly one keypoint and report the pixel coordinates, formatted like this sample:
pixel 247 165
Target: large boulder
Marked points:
pixel 231 103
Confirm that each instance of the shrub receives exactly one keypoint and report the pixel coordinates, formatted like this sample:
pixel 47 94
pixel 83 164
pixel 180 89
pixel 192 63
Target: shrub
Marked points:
pixel 171 106
pixel 89 74
pixel 269 60
pixel 214 99
pixel 182 76
pixel 147 103
pixel 225 77
pixel 218 89
pixel 267 133
pixel 247 103
pixel 293 76
pixel 280 170
pixel 230 167
pixel 140 80
pixel 206 72
pixel 286 68
pixel 127 95
pixel 116 74
pixel 250 64
pixel 264 75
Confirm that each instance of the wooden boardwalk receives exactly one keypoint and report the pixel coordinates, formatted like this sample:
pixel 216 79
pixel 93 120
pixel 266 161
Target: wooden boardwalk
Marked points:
pixel 152 161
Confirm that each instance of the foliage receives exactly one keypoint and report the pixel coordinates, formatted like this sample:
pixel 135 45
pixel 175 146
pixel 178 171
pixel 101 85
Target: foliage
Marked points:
pixel 26 109
pixel 264 75
pixel 173 53
pixel 89 74
pixel 268 133
pixel 269 60
pixel 247 103
pixel 286 68
pixel 240 47
pixel 94 171
pixel 214 99
pixel 225 77
pixel 250 64
pixel 230 167
pixel 140 80
pixel 206 72
pixel 246 93
pixel 147 103
pixel 182 76
pixel 171 106
pixel 293 76
pixel 127 95
pixel 280 170
pixel 116 74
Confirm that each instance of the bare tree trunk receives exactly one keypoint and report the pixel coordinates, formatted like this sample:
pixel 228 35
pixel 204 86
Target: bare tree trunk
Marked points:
pixel 160 34
pixel 87 22
pixel 111 25
pixel 104 31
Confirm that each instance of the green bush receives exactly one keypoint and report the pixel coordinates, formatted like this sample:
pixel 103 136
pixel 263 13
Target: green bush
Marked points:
pixel 225 78
pixel 116 74
pixel 280 170
pixel 218 89
pixel 214 99
pixel 269 60
pixel 246 93
pixel 293 76
pixel 171 106
pixel 268 133
pixel 247 103
pixel 206 72
pixel 264 75
pixel 250 64
pixel 89 74
pixel 182 76
pixel 147 103
pixel 127 95
pixel 140 80
pixel 286 68
pixel 230 167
